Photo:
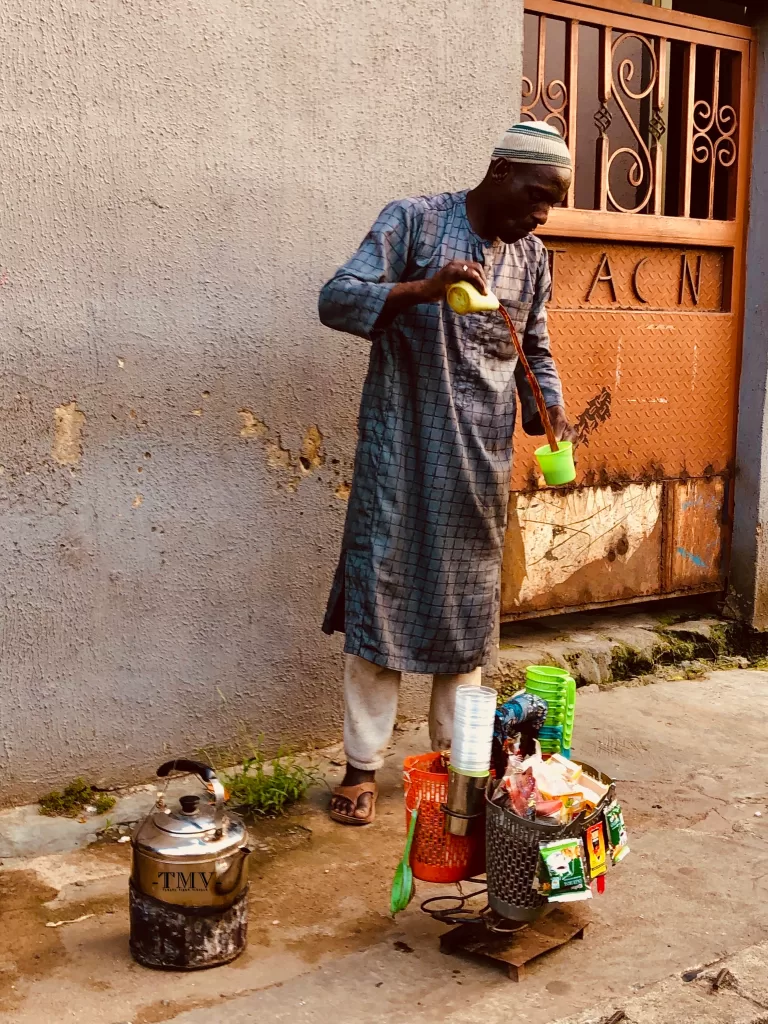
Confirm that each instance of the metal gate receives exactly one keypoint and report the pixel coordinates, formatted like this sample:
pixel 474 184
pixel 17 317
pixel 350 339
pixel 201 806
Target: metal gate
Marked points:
pixel 647 259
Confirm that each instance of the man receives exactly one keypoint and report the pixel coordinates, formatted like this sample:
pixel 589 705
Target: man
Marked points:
pixel 417 586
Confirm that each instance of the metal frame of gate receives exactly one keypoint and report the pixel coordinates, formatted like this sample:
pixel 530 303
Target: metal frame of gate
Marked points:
pixel 647 304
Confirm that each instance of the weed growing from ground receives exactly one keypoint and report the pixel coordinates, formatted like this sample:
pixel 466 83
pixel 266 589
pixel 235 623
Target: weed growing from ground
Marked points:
pixel 267 786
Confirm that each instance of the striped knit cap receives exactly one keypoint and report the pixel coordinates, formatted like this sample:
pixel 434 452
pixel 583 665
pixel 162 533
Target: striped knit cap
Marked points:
pixel 533 142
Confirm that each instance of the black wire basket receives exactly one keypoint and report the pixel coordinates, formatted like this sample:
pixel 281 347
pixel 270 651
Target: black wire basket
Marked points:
pixel 512 852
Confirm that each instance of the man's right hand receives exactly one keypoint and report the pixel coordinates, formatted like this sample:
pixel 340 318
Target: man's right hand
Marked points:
pixel 435 288
pixel 431 289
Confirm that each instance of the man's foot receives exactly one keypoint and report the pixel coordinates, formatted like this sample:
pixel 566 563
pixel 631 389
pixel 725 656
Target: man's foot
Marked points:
pixel 354 801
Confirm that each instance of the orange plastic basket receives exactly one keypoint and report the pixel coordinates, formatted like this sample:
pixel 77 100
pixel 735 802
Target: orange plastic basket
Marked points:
pixel 438 856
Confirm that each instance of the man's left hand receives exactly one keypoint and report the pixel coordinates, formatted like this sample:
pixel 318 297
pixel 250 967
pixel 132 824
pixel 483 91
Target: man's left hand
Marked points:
pixel 562 428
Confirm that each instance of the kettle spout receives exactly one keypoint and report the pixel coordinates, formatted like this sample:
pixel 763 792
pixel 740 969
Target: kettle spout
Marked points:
pixel 230 881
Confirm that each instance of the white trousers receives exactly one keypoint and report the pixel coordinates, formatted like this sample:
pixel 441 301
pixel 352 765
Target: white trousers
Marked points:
pixel 370 709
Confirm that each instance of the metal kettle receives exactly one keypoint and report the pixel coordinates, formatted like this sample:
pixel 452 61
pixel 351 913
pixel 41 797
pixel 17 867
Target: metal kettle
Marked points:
pixel 196 856
pixel 189 879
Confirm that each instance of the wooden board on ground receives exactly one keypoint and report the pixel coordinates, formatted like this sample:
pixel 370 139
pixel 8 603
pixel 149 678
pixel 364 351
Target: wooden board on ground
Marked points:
pixel 516 949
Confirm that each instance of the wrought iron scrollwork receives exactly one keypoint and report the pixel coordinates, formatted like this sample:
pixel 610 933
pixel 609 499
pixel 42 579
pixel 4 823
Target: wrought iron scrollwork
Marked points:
pixel 553 95
pixel 657 126
pixel 641 171
pixel 632 111
pixel 714 133
pixel 603 119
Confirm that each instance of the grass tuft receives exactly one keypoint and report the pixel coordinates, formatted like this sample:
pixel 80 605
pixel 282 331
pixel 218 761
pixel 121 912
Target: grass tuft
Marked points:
pixel 267 786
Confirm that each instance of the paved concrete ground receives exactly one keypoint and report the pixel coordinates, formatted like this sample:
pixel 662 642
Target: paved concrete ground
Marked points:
pixel 693 764
pixel 732 991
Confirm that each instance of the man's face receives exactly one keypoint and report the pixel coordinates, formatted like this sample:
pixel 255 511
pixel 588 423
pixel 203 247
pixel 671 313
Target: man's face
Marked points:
pixel 525 193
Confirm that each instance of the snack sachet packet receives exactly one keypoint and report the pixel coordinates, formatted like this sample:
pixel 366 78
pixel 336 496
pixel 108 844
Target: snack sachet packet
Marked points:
pixel 562 875
pixel 618 840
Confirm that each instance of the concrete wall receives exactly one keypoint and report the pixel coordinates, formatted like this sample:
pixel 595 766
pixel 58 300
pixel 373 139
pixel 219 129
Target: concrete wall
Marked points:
pixel 177 428
pixel 749 559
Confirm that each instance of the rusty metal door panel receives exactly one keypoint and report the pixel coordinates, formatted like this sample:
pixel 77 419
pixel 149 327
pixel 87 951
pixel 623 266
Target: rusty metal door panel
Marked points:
pixel 647 259
pixel 586 275
pixel 694 516
pixel 653 392
pixel 584 547
pixel 595 546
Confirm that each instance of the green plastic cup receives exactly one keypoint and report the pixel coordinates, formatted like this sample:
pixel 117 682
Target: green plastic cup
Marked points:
pixel 554 690
pixel 558 688
pixel 557 467
pixel 555 706
pixel 547 674
pixel 555 698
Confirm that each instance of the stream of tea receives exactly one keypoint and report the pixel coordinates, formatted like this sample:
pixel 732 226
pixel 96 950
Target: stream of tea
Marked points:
pixel 540 404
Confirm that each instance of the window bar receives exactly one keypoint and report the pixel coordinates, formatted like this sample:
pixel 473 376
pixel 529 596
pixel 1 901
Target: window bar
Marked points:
pixel 715 113
pixel 738 82
pixel 603 116
pixel 572 78
pixel 689 98
pixel 658 127
pixel 538 85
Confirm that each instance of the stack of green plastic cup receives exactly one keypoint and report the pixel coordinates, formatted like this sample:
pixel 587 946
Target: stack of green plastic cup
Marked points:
pixel 558 689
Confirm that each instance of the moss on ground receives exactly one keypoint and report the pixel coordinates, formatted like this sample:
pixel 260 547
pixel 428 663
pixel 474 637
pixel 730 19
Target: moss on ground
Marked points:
pixel 674 648
pixel 681 654
pixel 678 654
pixel 721 636
pixel 74 799
pixel 722 639
pixel 508 688
pixel 628 661
pixel 667 618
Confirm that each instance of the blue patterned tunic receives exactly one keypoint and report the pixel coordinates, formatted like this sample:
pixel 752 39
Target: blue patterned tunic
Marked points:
pixel 417 585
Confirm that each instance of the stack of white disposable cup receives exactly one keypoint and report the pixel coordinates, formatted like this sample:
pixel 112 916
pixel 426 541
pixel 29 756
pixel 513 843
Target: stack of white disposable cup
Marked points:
pixel 470 758
pixel 473 730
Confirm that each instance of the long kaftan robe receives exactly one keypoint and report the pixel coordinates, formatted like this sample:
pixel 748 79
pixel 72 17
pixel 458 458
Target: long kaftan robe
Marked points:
pixel 417 584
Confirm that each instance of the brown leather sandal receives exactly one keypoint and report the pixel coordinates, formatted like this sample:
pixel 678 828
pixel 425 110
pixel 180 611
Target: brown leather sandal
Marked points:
pixel 353 794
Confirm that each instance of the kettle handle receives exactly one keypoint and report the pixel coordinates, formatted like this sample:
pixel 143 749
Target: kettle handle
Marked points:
pixel 208 776
pixel 182 764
